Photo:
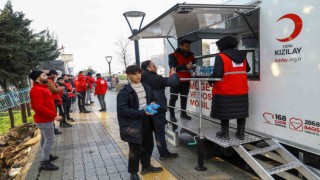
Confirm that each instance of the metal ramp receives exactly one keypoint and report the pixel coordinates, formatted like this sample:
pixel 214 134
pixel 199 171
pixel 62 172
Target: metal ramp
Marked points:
pixel 278 153
pixel 247 150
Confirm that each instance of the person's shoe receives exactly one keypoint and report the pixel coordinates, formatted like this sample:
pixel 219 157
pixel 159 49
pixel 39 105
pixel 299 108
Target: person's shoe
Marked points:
pixel 71 119
pixel 66 125
pixel 52 157
pixel 223 135
pixel 86 111
pixel 169 155
pixel 185 116
pixel 134 176
pixel 70 111
pixel 101 110
pixel 173 118
pixel 56 131
pixel 48 166
pixel 87 104
pixel 150 169
pixel 91 102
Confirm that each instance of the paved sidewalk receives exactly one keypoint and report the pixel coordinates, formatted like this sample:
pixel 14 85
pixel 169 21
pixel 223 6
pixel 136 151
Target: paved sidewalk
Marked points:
pixel 92 149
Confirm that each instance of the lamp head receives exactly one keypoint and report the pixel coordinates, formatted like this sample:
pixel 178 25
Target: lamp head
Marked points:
pixel 108 58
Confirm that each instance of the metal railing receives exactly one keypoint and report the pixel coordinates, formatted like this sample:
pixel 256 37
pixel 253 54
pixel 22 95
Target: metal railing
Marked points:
pixel 14 98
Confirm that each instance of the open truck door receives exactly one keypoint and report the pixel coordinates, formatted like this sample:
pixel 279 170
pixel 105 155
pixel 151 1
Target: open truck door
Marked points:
pixel 275 118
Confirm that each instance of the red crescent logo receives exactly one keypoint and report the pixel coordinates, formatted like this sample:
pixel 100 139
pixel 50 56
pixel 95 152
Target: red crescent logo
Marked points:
pixel 297 26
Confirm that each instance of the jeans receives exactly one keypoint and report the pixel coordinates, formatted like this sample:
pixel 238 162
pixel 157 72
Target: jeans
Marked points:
pixel 102 101
pixel 88 99
pixel 81 100
pixel 47 139
pixel 182 89
pixel 159 131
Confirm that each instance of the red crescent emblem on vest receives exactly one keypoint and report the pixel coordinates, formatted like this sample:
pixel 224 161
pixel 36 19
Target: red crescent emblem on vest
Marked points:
pixel 297 26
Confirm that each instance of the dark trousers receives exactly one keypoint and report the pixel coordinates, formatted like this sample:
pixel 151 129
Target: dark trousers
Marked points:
pixel 141 152
pixel 182 89
pixel 102 102
pixel 81 100
pixel 160 134
pixel 66 107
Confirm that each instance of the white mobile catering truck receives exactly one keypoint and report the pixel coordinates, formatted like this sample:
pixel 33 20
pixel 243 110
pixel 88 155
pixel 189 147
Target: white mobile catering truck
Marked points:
pixel 282 39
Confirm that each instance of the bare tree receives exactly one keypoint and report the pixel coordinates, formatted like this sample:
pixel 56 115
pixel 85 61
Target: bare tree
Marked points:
pixel 123 50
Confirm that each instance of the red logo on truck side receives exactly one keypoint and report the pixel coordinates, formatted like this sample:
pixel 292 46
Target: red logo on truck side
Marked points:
pixel 297 26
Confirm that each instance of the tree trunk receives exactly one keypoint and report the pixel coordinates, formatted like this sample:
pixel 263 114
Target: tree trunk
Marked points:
pixel 28 109
pixel 23 113
pixel 11 117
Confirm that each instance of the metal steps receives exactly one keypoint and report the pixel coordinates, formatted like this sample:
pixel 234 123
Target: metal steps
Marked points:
pixel 283 167
pixel 265 171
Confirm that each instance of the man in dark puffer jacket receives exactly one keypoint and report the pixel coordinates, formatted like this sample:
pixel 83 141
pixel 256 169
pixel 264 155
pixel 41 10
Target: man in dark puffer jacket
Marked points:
pixel 230 96
pixel 158 85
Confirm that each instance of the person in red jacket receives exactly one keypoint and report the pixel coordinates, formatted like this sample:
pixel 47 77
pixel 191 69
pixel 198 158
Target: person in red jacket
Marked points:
pixel 45 113
pixel 69 89
pixel 81 88
pixel 100 91
pixel 90 82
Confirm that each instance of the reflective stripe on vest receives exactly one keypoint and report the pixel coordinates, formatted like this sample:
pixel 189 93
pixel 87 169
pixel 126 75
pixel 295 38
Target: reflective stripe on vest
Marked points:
pixel 235 81
pixel 235 72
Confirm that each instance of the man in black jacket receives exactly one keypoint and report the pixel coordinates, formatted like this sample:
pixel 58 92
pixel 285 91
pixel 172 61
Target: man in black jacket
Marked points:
pixel 135 123
pixel 158 85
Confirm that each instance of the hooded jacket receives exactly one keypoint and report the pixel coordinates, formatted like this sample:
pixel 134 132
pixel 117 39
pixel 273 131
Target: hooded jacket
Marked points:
pixel 101 86
pixel 229 106
pixel 42 103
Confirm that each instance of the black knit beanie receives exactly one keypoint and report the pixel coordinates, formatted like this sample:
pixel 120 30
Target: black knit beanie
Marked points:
pixel 227 42
pixel 35 74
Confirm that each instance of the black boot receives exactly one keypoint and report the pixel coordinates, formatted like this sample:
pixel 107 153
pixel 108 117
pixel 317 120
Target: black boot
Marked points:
pixel 52 157
pixel 224 133
pixel 134 176
pixel 150 169
pixel 185 116
pixel 48 166
pixel 240 128
pixel 172 115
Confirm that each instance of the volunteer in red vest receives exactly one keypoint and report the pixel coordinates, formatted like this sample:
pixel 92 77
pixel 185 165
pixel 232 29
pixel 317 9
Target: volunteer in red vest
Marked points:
pixel 45 113
pixel 81 88
pixel 55 90
pixel 70 96
pixel 230 96
pixel 182 59
pixel 100 91
pixel 90 81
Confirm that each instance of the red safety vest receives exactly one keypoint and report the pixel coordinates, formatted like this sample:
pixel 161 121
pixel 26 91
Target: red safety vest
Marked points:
pixel 181 60
pixel 235 81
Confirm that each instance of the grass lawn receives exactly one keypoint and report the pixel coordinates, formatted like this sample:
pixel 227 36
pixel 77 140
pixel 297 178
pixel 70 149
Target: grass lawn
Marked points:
pixel 5 122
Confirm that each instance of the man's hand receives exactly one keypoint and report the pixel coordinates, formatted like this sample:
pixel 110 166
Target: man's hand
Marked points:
pixel 58 118
pixel 172 70
pixel 190 66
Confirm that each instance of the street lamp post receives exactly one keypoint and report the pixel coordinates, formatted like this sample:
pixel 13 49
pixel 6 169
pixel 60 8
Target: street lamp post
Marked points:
pixel 135 14
pixel 109 58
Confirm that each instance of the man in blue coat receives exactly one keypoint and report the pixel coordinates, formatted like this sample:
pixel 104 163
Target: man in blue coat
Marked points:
pixel 136 123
